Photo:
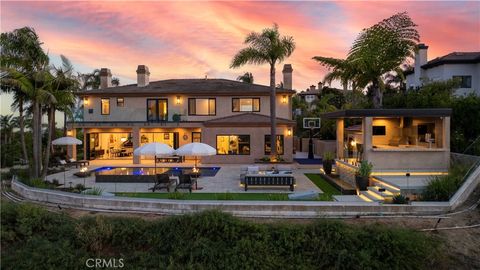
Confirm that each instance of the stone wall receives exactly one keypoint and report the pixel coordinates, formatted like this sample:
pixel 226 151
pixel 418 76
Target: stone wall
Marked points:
pixel 346 172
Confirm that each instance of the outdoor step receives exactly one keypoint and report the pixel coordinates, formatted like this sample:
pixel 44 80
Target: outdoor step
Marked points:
pixel 365 198
pixel 387 186
pixel 372 196
pixel 385 194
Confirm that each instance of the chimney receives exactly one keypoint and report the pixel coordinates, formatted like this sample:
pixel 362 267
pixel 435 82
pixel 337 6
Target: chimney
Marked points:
pixel 320 86
pixel 143 76
pixel 312 87
pixel 287 76
pixel 105 78
pixel 420 60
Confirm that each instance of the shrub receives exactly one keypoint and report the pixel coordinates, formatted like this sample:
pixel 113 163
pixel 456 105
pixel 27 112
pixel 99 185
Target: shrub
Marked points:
pixel 442 187
pixel 400 199
pixel 328 156
pixel 39 239
pixel 365 169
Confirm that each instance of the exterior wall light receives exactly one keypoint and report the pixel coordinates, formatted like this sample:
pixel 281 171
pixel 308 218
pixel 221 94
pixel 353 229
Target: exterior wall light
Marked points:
pixel 284 99
pixel 85 101
pixel 178 99
pixel 69 133
pixel 289 132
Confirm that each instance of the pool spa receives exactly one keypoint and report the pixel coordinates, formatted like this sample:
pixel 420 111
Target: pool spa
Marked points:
pixel 144 174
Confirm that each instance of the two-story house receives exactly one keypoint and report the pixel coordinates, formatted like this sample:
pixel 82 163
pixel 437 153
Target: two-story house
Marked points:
pixel 464 66
pixel 231 116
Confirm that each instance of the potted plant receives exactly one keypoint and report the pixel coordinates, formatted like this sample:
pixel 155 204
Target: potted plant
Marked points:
pixel 327 162
pixel 362 174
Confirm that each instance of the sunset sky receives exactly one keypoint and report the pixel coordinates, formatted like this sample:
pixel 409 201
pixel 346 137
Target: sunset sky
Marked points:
pixel 191 39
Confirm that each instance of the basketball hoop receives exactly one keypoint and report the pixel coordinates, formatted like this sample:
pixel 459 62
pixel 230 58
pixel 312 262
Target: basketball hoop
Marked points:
pixel 311 123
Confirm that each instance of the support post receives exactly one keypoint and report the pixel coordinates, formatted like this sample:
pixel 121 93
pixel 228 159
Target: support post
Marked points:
pixel 136 143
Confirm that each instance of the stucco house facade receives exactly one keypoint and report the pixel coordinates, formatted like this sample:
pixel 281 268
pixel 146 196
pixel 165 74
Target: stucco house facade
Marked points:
pixel 462 65
pixel 231 116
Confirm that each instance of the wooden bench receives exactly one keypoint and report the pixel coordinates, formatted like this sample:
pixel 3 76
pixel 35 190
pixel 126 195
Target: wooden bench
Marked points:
pixel 269 180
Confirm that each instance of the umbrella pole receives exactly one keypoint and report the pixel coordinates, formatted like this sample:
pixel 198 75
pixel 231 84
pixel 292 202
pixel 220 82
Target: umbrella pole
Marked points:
pixel 155 162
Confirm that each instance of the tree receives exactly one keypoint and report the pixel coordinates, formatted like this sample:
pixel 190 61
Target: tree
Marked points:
pixel 376 51
pixel 340 70
pixel 92 80
pixel 7 125
pixel 267 47
pixel 246 78
pixel 22 52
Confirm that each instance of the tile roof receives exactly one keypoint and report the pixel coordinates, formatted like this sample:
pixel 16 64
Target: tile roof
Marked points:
pixel 245 120
pixel 188 86
pixel 454 58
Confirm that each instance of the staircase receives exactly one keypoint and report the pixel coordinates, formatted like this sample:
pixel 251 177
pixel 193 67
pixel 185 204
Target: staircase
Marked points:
pixel 379 192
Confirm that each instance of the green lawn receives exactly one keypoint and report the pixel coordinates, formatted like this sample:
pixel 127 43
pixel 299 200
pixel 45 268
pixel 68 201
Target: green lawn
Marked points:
pixel 327 188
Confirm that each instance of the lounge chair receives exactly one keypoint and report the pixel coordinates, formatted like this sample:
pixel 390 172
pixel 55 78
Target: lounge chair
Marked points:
pixel 161 181
pixel 185 181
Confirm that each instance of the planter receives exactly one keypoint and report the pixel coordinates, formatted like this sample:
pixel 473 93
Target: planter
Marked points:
pixel 327 166
pixel 362 182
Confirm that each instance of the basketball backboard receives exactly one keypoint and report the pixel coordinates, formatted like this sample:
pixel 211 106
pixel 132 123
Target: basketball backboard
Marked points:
pixel 311 122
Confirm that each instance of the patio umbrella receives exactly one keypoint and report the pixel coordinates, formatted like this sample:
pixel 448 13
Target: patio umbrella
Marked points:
pixel 196 149
pixel 66 141
pixel 154 149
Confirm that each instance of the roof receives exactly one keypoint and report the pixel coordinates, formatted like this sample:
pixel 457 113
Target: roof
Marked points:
pixel 206 87
pixel 246 120
pixel 435 112
pixel 309 92
pixel 451 58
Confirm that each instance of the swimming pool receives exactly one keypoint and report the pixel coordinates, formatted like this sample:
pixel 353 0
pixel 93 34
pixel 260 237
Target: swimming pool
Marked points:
pixel 144 174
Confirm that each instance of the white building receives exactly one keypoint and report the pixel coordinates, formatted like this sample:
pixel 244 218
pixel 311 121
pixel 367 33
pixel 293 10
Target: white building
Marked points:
pixel 462 65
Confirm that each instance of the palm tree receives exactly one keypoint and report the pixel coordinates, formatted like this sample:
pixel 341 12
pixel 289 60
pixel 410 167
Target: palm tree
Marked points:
pixel 246 78
pixel 378 50
pixel 340 70
pixel 7 125
pixel 92 80
pixel 62 88
pixel 21 51
pixel 267 47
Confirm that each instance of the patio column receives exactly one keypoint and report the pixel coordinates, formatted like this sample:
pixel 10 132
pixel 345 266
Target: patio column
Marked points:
pixel 340 131
pixel 84 145
pixel 136 143
pixel 72 149
pixel 446 133
pixel 367 136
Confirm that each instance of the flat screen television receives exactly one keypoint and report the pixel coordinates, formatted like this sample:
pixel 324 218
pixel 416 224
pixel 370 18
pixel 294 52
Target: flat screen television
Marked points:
pixel 379 131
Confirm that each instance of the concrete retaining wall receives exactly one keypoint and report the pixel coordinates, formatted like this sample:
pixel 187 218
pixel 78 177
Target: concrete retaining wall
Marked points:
pixel 276 209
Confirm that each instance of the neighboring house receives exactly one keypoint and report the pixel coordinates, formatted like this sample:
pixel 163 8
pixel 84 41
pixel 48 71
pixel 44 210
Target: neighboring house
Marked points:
pixel 462 65
pixel 231 116
pixel 311 94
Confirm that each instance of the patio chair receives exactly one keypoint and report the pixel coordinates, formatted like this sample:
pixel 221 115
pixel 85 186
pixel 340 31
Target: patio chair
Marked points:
pixel 161 181
pixel 185 181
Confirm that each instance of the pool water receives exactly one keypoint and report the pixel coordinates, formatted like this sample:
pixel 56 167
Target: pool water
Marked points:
pixel 204 171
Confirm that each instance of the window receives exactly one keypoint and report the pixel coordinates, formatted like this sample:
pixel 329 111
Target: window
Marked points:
pixel 157 110
pixel 465 81
pixel 196 137
pixel 105 105
pixel 279 145
pixel 233 144
pixel 245 104
pixel 378 131
pixel 201 106
pixel 120 102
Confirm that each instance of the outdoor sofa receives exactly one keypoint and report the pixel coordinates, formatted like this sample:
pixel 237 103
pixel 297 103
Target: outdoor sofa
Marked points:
pixel 280 175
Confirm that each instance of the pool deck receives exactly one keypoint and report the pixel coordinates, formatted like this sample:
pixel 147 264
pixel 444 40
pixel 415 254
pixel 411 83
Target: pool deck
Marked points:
pixel 227 178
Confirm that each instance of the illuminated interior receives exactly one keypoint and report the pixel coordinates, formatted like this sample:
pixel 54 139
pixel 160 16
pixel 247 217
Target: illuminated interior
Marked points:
pixel 233 144
pixel 160 137
pixel 110 146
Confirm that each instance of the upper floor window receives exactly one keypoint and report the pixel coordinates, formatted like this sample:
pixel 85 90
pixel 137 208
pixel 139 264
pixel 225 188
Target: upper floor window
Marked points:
pixel 120 102
pixel 202 106
pixel 245 104
pixel 465 81
pixel 157 109
pixel 105 102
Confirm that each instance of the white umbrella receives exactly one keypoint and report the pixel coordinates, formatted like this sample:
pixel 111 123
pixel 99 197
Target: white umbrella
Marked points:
pixel 154 149
pixel 196 149
pixel 66 141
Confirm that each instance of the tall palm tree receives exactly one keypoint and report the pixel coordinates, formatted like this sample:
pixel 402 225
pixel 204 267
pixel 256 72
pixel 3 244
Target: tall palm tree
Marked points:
pixel 6 125
pixel 21 51
pixel 246 78
pixel 267 47
pixel 92 80
pixel 341 70
pixel 378 50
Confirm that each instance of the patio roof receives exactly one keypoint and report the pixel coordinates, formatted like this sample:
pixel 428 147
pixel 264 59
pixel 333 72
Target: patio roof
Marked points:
pixel 359 113
pixel 247 120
